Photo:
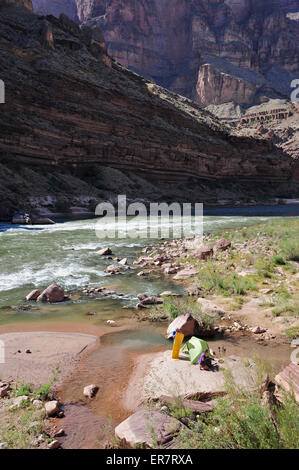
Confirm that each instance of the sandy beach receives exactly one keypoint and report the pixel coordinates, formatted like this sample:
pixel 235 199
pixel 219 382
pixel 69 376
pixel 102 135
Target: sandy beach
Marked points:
pixel 34 356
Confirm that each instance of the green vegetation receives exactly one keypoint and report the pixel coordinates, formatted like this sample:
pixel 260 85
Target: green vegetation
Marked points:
pixel 22 426
pixel 40 394
pixel 175 306
pixel 220 280
pixel 243 420
pixel 292 332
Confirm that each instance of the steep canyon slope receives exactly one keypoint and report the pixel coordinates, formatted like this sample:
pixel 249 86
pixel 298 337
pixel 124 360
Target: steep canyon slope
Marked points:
pixel 212 51
pixel 77 124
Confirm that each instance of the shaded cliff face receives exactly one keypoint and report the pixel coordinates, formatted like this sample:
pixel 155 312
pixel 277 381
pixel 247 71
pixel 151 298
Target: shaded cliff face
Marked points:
pixel 70 108
pixel 212 51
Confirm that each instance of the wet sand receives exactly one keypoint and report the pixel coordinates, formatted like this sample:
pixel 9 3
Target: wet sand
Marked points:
pixel 34 356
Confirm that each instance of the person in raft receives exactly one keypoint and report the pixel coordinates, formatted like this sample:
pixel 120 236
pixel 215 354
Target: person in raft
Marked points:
pixel 204 361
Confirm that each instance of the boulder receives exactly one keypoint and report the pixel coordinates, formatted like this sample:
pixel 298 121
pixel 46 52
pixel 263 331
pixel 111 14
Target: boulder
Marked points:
pixel 4 390
pixel 186 323
pixel 152 301
pixel 53 293
pixel 52 407
pixel 141 306
pixel 203 252
pixel 18 401
pixel 169 293
pixel 221 245
pixel 186 273
pixel 288 379
pixel 209 308
pixel 54 444
pixel 191 405
pixel 112 269
pixel 104 252
pixel 170 271
pixel 147 429
pixel 34 294
pixel 142 297
pixel 257 330
pixel 90 391
pixel 37 403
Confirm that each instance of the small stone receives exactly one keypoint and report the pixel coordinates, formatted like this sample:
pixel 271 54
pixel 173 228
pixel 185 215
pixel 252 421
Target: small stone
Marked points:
pixel 112 269
pixel 28 351
pixel 4 390
pixel 123 261
pixel 18 401
pixel 37 403
pixel 59 433
pixel 164 409
pixel 3 445
pixel 258 330
pixel 52 407
pixel 90 390
pixel 54 444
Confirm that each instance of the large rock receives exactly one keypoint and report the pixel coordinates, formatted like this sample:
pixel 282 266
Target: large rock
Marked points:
pixel 104 252
pixel 191 405
pixel 152 300
pixel 147 429
pixel 186 323
pixel 186 273
pixel 4 390
pixel 53 293
pixel 221 245
pixel 203 252
pixel 34 294
pixel 52 407
pixel 208 307
pixel 165 376
pixel 288 379
pixel 113 269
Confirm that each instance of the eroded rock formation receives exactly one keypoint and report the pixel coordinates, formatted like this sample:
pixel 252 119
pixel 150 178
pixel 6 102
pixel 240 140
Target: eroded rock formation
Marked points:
pixel 212 51
pixel 70 107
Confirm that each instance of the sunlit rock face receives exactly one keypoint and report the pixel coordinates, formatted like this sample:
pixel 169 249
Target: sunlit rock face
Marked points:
pixel 176 43
pixel 77 107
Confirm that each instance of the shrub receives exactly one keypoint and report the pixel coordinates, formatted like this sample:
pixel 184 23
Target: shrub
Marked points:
pixel 242 420
pixel 292 332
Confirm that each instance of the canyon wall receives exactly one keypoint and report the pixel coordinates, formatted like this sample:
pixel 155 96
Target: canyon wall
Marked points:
pixel 68 104
pixel 71 111
pixel 212 51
